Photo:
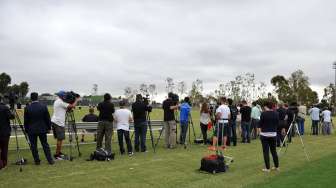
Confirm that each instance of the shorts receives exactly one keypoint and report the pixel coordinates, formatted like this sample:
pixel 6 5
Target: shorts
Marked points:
pixel 223 129
pixel 58 131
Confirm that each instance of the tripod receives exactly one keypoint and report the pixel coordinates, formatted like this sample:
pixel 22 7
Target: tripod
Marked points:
pixel 293 127
pixel 17 122
pixel 190 125
pixel 72 131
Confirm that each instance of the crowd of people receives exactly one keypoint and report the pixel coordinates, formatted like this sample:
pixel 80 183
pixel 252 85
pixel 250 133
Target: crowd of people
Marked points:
pixel 270 122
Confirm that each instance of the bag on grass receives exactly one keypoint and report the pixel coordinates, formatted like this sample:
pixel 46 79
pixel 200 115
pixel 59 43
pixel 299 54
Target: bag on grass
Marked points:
pixel 213 164
pixel 101 155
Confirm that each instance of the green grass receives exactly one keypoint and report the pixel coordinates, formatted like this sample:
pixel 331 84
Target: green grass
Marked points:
pixel 178 167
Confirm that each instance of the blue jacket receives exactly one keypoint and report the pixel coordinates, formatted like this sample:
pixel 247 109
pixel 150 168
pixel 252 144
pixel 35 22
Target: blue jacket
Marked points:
pixel 37 118
pixel 184 113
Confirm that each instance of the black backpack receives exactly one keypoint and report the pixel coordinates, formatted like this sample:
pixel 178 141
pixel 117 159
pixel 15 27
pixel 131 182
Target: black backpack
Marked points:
pixel 101 155
pixel 234 112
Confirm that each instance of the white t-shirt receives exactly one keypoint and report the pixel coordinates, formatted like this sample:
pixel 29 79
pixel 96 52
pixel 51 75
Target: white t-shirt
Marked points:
pixel 326 116
pixel 205 118
pixel 315 114
pixel 224 110
pixel 122 117
pixel 60 108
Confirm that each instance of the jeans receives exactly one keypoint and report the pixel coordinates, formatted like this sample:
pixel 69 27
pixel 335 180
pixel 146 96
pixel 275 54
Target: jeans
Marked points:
pixel 170 133
pixel 326 130
pixel 301 125
pixel 315 127
pixel 140 132
pixel 183 134
pixel 204 129
pixel 232 134
pixel 44 143
pixel 246 126
pixel 121 135
pixel 254 126
pixel 269 143
pixel 105 128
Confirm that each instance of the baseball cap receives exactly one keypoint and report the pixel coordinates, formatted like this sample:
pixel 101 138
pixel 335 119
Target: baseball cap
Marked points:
pixel 60 93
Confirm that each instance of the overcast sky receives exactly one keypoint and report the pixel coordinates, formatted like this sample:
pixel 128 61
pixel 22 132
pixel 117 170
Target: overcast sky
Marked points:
pixel 73 44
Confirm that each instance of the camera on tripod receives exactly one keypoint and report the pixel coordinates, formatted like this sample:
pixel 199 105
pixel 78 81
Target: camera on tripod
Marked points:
pixel 146 101
pixel 70 97
pixel 175 98
pixel 12 99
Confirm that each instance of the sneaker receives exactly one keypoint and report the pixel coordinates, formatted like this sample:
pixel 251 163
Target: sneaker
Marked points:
pixel 51 162
pixel 58 157
pixel 130 154
pixel 266 170
pixel 276 169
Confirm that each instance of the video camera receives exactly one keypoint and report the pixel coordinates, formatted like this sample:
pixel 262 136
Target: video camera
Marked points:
pixel 70 97
pixel 12 99
pixel 146 101
pixel 175 98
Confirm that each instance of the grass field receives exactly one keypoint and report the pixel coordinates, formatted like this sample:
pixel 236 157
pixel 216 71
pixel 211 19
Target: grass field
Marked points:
pixel 178 167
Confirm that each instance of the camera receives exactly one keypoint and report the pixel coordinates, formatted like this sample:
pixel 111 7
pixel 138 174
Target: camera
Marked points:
pixel 175 98
pixel 70 97
pixel 146 101
pixel 12 99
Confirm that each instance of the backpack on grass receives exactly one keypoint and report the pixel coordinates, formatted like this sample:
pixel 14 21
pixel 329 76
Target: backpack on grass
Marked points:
pixel 101 155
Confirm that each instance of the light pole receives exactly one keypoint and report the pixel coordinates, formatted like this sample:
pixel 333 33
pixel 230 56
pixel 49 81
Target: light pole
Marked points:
pixel 334 67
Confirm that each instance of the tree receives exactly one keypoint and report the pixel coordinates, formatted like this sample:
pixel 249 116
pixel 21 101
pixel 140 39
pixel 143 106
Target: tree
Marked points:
pixel 170 86
pixel 181 88
pixel 196 92
pixel 143 89
pixel 294 89
pixel 5 80
pixel 152 90
pixel 24 89
pixel 329 94
pixel 128 93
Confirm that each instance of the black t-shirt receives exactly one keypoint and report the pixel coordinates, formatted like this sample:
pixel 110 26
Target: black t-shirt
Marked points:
pixel 245 113
pixel 269 121
pixel 90 118
pixel 168 114
pixel 106 109
pixel 139 110
pixel 282 113
pixel 234 112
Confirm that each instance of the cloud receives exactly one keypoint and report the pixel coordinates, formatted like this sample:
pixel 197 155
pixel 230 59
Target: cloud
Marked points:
pixel 72 45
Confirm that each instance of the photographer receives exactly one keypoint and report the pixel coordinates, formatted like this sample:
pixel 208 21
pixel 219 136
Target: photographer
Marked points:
pixel 315 117
pixel 269 121
pixel 58 121
pixel 105 124
pixel 281 130
pixel 123 118
pixel 5 131
pixel 245 112
pixel 139 109
pixel 184 119
pixel 169 106
pixel 37 124
pixel 255 116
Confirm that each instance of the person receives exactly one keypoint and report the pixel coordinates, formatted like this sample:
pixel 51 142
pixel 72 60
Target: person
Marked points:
pixel 37 124
pixel 139 109
pixel 169 106
pixel 91 117
pixel 221 129
pixel 105 124
pixel 245 111
pixel 232 134
pixel 204 121
pixel 315 117
pixel 269 122
pixel 5 131
pixel 184 119
pixel 255 117
pixel 326 129
pixel 292 117
pixel 281 130
pixel 58 122
pixel 301 117
pixel 123 118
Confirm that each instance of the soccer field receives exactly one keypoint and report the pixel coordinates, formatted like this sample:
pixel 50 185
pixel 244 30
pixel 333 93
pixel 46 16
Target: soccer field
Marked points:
pixel 178 167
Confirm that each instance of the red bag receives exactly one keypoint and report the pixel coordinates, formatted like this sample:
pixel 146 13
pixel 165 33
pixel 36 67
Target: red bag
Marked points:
pixel 209 125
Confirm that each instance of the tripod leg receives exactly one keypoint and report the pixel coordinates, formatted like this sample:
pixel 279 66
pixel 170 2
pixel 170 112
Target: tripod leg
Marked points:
pixel 303 146
pixel 19 158
pixel 285 139
pixel 157 141
pixel 151 131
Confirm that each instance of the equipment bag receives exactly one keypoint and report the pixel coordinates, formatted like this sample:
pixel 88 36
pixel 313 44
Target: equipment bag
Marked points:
pixel 101 155
pixel 213 164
